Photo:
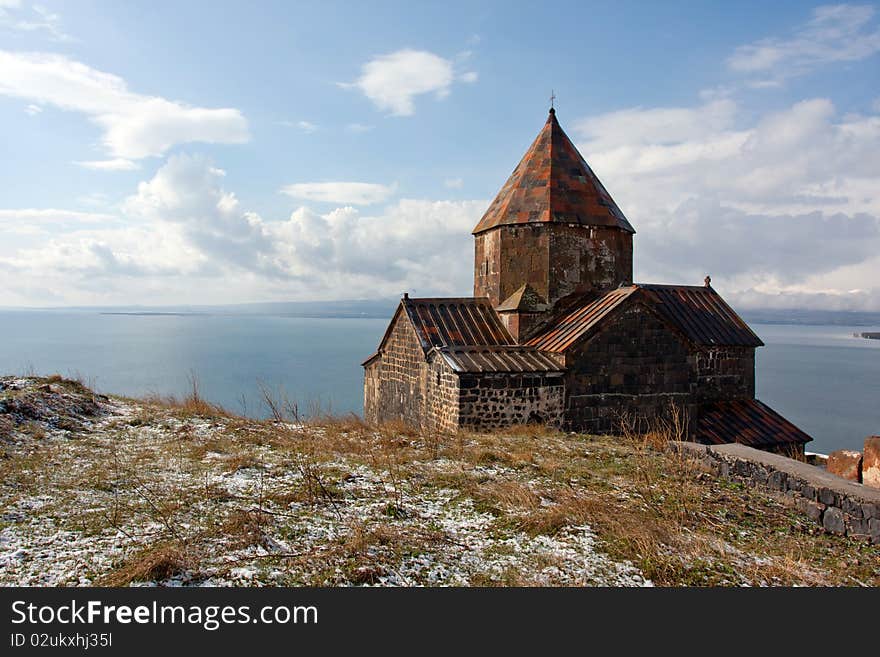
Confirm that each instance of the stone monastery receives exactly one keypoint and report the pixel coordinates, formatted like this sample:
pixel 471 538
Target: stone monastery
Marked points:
pixel 558 333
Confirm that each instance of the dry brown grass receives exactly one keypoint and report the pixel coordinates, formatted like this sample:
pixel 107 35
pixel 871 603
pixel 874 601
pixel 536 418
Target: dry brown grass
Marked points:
pixel 190 405
pixel 245 528
pixel 653 507
pixel 155 563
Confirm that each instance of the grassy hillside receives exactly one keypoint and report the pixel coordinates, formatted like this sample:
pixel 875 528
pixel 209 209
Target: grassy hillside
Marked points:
pixel 106 490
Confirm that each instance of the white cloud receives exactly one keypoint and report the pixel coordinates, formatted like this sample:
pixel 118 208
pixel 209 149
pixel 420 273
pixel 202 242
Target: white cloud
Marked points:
pixel 116 164
pixel 404 247
pixel 835 33
pixel 33 110
pixel 393 81
pixel 343 193
pixel 134 125
pixel 469 77
pixel 182 238
pixel 52 215
pixel 306 126
pixel 785 204
pixel 453 183
pixel 358 128
pixel 38 19
pixel 95 199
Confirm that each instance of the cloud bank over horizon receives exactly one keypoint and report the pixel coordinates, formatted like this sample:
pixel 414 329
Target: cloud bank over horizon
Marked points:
pixel 778 201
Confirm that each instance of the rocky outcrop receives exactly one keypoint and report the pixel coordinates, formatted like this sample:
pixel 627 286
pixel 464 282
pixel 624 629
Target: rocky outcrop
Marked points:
pixel 54 403
pixel 845 463
pixel 871 462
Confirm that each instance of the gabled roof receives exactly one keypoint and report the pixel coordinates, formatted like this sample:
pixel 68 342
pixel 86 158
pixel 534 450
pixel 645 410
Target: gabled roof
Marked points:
pixel 553 183
pixel 455 322
pixel 525 300
pixel 508 359
pixel 701 314
pixel 447 322
pixel 469 336
pixel 698 312
pixel 747 421
pixel 571 326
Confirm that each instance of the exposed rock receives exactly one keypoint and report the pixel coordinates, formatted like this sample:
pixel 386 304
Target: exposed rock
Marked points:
pixel 871 462
pixel 833 521
pixel 6 427
pixel 845 463
pixel 53 403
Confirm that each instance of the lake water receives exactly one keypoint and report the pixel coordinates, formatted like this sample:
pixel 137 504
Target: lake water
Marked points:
pixel 819 377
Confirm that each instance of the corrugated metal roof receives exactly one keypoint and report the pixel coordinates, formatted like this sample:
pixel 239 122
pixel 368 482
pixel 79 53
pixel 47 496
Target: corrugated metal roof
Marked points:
pixel 749 422
pixel 450 322
pixel 574 324
pixel 553 183
pixel 507 359
pixel 701 314
pixel 698 312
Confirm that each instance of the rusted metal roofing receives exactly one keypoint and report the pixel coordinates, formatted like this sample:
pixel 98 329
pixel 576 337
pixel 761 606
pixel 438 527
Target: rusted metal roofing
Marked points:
pixel 701 314
pixel 571 326
pixel 553 183
pixel 698 312
pixel 507 359
pixel 749 422
pixel 456 322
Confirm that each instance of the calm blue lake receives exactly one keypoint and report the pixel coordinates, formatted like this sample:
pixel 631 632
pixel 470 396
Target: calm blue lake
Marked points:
pixel 820 377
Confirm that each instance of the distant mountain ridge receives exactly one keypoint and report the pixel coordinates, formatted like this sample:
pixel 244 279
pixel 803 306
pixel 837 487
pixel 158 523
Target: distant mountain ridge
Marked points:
pixel 384 308
pixel 812 317
pixel 367 309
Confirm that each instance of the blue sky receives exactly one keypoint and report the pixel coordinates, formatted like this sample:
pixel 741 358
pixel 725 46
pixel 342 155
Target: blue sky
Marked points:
pixel 161 153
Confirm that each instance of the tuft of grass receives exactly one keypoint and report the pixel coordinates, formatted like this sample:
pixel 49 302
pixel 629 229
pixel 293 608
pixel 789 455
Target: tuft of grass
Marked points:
pixel 155 563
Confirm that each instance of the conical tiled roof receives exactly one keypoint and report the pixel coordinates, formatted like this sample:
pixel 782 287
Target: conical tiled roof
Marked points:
pixel 553 183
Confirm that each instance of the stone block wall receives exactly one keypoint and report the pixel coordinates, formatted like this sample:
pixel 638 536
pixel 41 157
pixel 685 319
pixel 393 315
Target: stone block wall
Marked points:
pixel 441 409
pixel 640 369
pixel 394 382
pixel 588 258
pixel 492 401
pixel 841 507
pixel 555 259
pixel 725 373
pixel 617 374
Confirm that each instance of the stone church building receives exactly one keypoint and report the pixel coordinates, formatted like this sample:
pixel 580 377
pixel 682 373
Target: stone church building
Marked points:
pixel 558 333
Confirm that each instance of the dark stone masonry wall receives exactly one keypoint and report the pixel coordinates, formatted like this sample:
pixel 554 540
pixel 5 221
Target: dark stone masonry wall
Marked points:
pixel 491 401
pixel 615 376
pixel 555 259
pixel 725 373
pixel 507 257
pixel 842 507
pixel 588 258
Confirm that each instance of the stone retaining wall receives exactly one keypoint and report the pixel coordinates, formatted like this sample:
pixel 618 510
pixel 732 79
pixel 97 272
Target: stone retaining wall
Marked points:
pixel 842 507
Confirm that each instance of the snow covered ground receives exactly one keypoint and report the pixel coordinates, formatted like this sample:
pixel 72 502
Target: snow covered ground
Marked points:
pixel 235 509
pixel 113 491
